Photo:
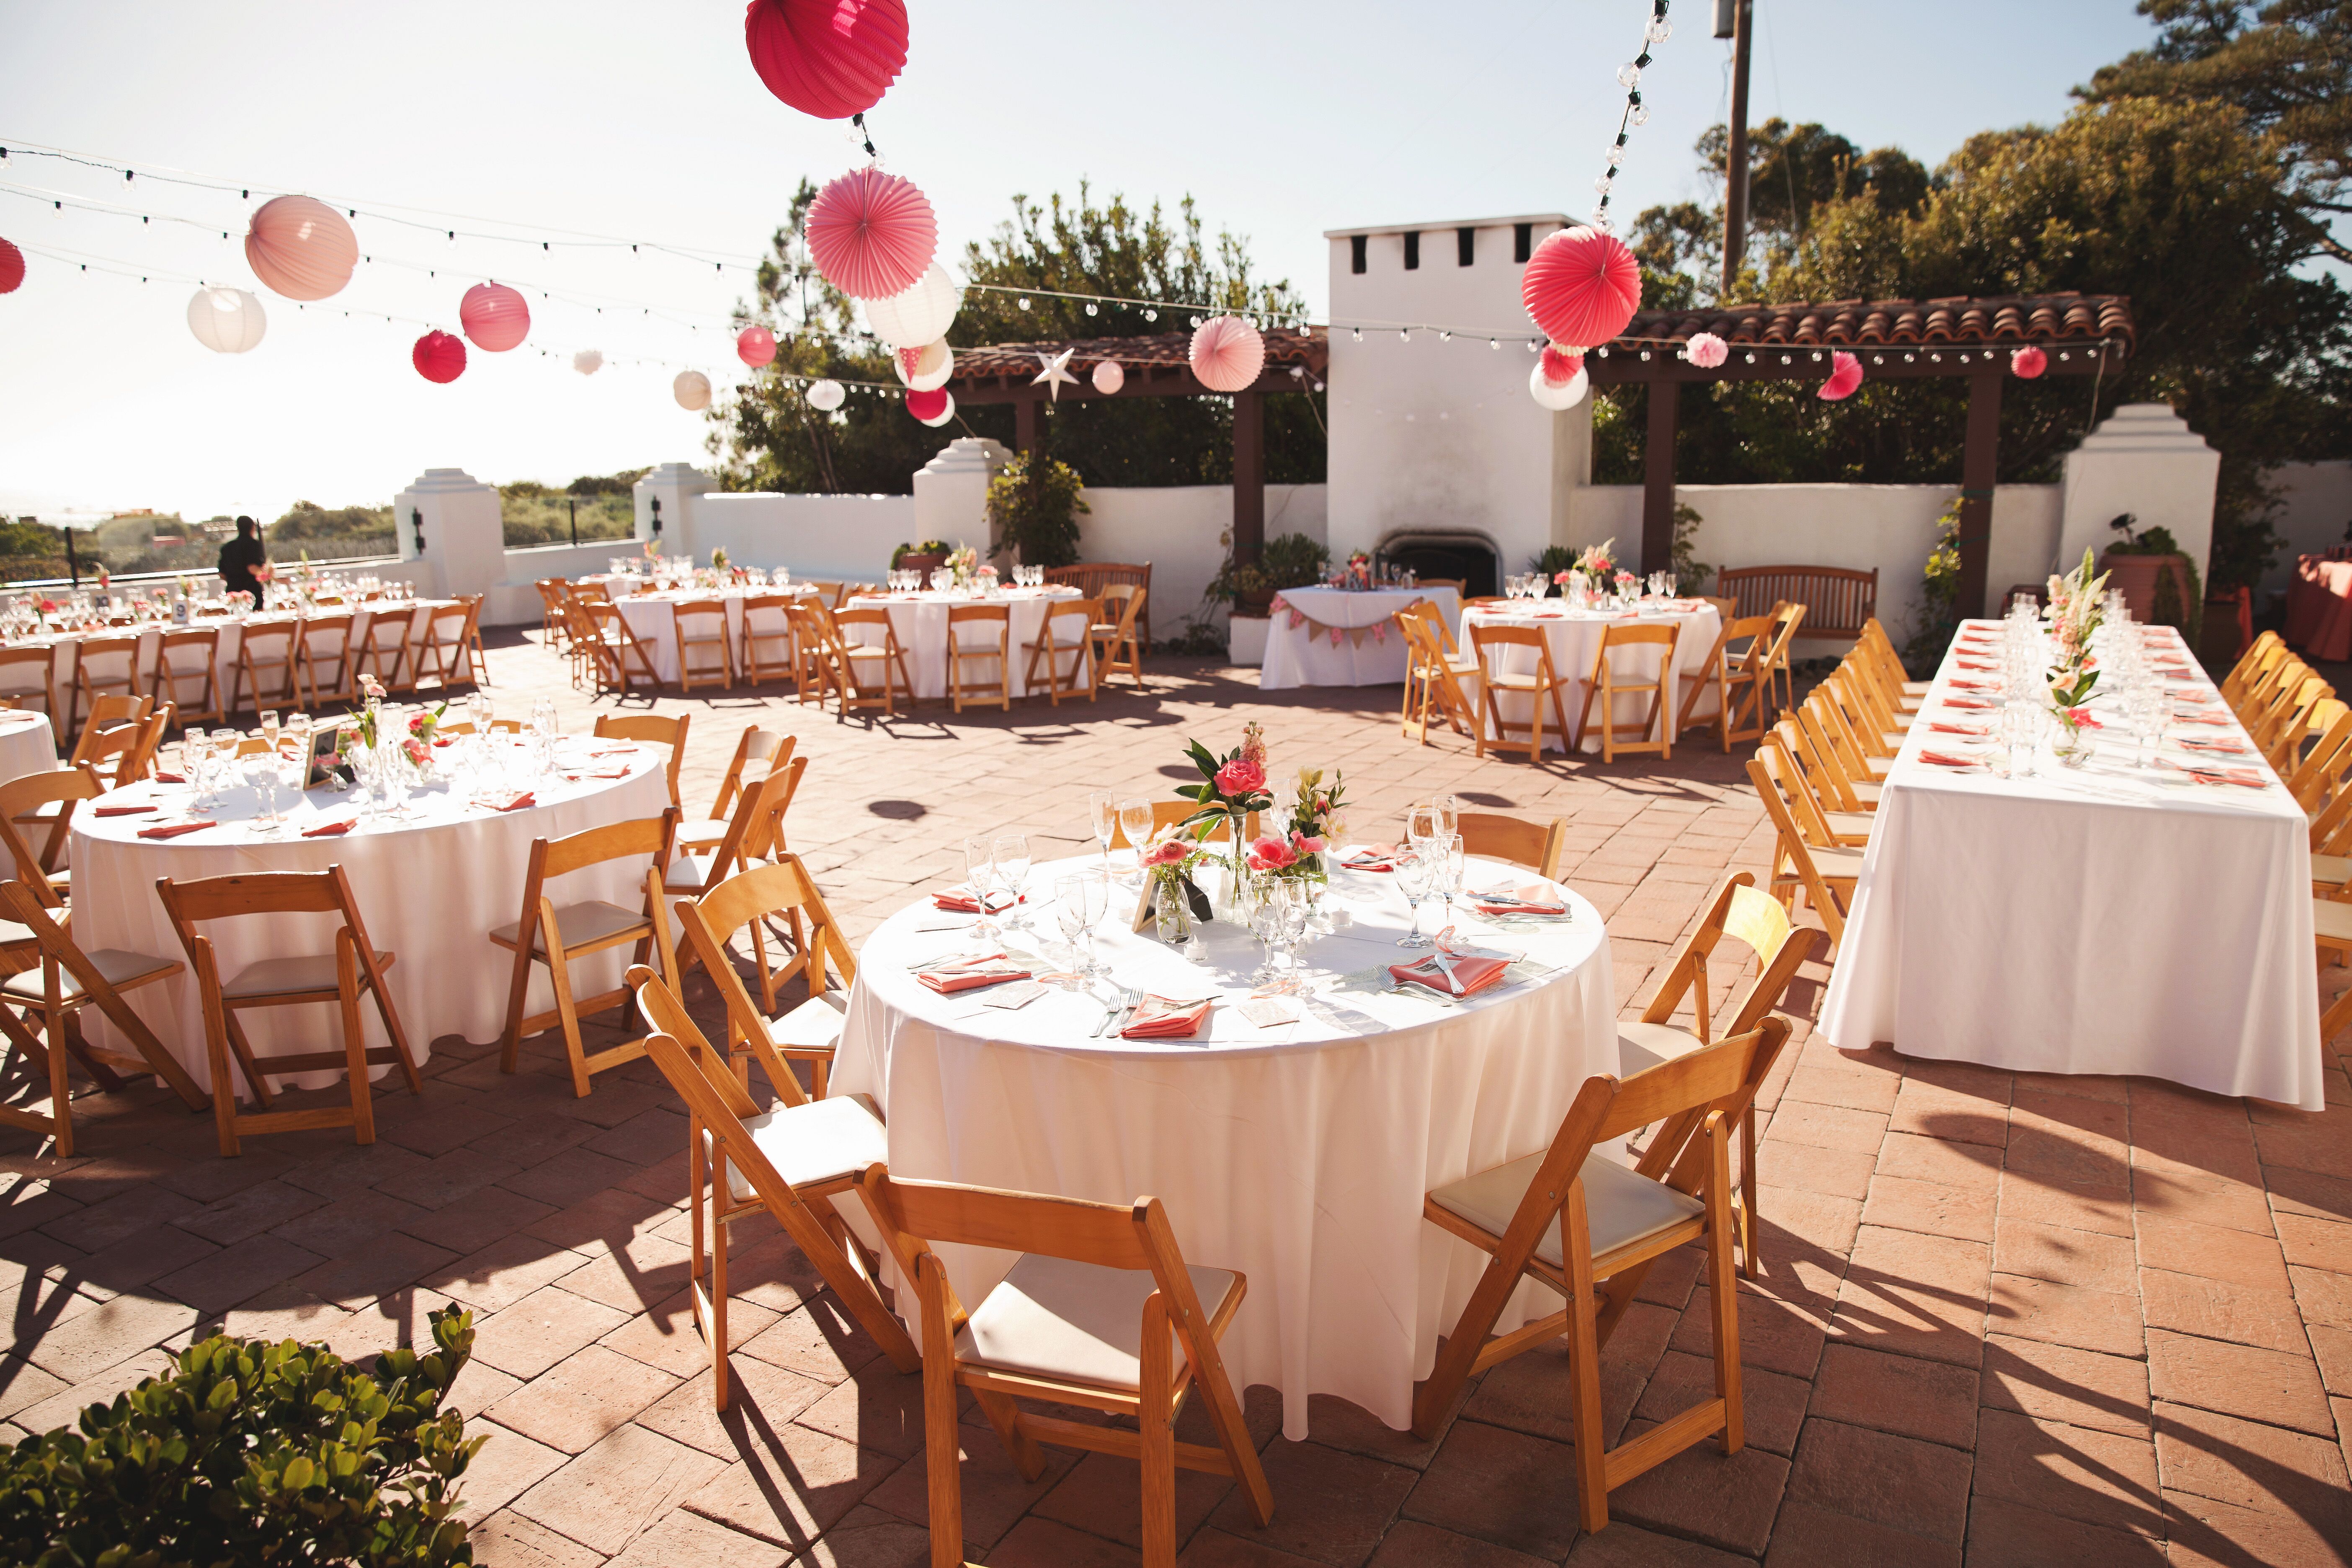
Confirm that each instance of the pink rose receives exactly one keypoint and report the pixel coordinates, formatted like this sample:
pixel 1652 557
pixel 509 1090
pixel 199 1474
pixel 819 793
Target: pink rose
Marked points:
pixel 1270 853
pixel 1241 777
pixel 1167 852
pixel 2081 717
pixel 1307 844
pixel 1560 579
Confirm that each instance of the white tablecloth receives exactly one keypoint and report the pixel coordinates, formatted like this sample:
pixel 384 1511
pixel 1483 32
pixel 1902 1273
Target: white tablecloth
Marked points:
pixel 654 618
pixel 27 745
pixel 429 888
pixel 920 621
pixel 1574 636
pixel 1298 1155
pixel 2113 918
pixel 1296 655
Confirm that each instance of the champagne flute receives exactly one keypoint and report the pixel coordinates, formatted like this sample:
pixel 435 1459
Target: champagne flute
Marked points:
pixel 1420 824
pixel 1412 873
pixel 1011 858
pixel 1135 821
pixel 269 726
pixel 1070 910
pixel 1104 808
pixel 979 873
pixel 1448 810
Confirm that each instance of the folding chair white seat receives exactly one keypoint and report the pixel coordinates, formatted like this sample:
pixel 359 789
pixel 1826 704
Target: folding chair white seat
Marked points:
pixel 690 874
pixel 580 925
pixel 1076 1323
pixel 815 1022
pixel 116 967
pixel 2336 869
pixel 1623 1207
pixel 279 976
pixel 822 1140
pixel 1641 1046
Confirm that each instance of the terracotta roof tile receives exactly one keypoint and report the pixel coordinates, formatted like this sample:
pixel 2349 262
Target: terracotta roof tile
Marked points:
pixel 2042 318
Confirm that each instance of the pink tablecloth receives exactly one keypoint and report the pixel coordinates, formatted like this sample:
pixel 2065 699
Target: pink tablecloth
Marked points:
pixel 2319 607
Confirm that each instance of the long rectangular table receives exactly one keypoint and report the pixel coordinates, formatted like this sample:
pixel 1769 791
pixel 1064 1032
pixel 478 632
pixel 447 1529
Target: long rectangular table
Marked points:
pixel 2111 919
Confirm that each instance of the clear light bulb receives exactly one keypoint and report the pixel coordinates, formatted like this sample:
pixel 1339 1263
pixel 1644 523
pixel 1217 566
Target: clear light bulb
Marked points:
pixel 1641 115
pixel 1150 315
pixel 1629 75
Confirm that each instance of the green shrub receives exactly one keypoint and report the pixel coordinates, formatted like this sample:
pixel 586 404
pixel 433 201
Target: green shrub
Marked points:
pixel 253 1453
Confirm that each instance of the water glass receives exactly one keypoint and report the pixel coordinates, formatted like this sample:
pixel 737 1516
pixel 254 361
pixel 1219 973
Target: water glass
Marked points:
pixel 980 874
pixel 1135 821
pixel 1413 875
pixel 1102 812
pixel 2021 732
pixel 260 772
pixel 1013 862
pixel 1080 901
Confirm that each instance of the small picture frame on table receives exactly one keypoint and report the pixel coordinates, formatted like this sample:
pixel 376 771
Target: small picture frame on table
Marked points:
pixel 328 767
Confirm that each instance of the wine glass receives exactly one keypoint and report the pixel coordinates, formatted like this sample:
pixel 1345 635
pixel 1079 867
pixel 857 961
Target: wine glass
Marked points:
pixel 1080 899
pixel 1444 855
pixel 1103 808
pixel 269 726
pixel 1448 809
pixel 1013 862
pixel 1413 875
pixel 1265 925
pixel 1135 821
pixel 260 772
pixel 1420 824
pixel 980 872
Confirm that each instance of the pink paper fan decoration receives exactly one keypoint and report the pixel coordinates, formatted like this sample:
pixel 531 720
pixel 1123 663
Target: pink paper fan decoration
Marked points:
pixel 12 267
pixel 1582 286
pixel 872 234
pixel 302 247
pixel 1708 350
pixel 2029 361
pixel 1845 375
pixel 831 58
pixel 1110 377
pixel 755 346
pixel 928 406
pixel 494 316
pixel 1227 353
pixel 1559 365
pixel 438 357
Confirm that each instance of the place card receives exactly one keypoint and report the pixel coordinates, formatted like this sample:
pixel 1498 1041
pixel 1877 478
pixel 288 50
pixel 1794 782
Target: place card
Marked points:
pixel 1013 996
pixel 1269 1012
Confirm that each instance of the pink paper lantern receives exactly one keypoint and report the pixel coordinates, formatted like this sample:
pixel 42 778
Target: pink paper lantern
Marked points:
pixel 755 346
pixel 438 357
pixel 1227 355
pixel 1845 375
pixel 12 267
pixel 1708 350
pixel 2029 361
pixel 927 406
pixel 831 59
pixel 302 247
pixel 872 234
pixel 1582 286
pixel 494 316
pixel 1559 366
pixel 1110 377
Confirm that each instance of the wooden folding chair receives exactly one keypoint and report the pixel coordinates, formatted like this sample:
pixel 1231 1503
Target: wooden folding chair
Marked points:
pixel 1824 813
pixel 1538 846
pixel 989 647
pixel 28 674
pixel 36 824
pixel 477 658
pixel 441 645
pixel 103 666
pixel 706 647
pixel 2271 687
pixel 555 935
pixel 52 997
pixel 860 662
pixel 2265 651
pixel 1100 1310
pixel 108 714
pixel 814 667
pixel 1117 651
pixel 355 967
pixel 758 752
pixel 325 644
pixel 1579 1223
pixel 1067 629
pixel 830 594
pixel 554 594
pixel 1875 642
pixel 747 902
pixel 1777 662
pixel 2281 734
pixel 690 876
pixel 1435 670
pixel 1746 674
pixel 383 651
pixel 126 753
pixel 1858 784
pixel 2317 777
pixel 1605 687
pixel 768 642
pixel 650 729
pixel 1781 947
pixel 1540 685
pixel 1826 875
pixel 265 666
pixel 2331 924
pixel 187 674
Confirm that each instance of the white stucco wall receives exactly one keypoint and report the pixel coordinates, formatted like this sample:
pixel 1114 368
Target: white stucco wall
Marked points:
pixel 1182 529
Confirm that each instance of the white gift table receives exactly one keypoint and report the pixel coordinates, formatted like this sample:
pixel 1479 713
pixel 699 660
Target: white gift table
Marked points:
pixel 1300 649
pixel 1296 1154
pixel 2111 919
pixel 920 621
pixel 1573 639
pixel 430 888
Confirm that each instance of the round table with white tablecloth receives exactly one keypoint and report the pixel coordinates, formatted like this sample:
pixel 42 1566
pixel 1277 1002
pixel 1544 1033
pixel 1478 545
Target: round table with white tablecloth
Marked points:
pixel 27 745
pixel 920 622
pixel 1342 637
pixel 430 887
pixel 1573 638
pixel 653 619
pixel 1298 1154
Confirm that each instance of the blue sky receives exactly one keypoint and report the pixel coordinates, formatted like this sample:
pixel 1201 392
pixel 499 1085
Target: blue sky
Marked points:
pixel 1283 119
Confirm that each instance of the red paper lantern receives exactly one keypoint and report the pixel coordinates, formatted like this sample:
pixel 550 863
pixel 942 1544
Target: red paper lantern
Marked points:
pixel 2029 361
pixel 1845 375
pixel 1227 353
pixel 494 316
pixel 438 357
pixel 1559 367
pixel 302 247
pixel 1582 286
pixel 755 346
pixel 927 406
pixel 831 58
pixel 872 234
pixel 12 267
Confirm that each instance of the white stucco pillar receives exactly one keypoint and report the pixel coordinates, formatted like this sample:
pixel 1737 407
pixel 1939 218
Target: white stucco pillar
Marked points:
pixel 2144 459
pixel 675 485
pixel 952 492
pixel 464 544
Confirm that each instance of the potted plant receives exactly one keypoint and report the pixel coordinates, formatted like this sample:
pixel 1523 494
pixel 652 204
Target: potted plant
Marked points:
pixel 2158 583
pixel 1287 561
pixel 925 557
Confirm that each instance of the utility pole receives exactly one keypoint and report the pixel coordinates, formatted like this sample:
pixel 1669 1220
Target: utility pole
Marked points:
pixel 1735 20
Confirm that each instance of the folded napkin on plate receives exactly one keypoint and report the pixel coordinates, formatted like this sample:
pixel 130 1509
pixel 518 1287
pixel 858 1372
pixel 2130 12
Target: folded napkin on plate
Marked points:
pixel 162 777
pixel 2230 747
pixel 1371 857
pixel 515 802
pixel 2195 695
pixel 2200 717
pixel 171 829
pixel 1980 668
pixel 2172 665
pixel 960 901
pixel 970 972
pixel 328 830
pixel 1470 973
pixel 121 810
pixel 1967 702
pixel 1947 760
pixel 2248 778
pixel 1527 898
pixel 1943 729
pixel 1160 1018
pixel 613 774
pixel 1964 684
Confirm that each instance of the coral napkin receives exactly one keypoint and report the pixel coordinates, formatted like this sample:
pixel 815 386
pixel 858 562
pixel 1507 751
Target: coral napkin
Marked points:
pixel 970 972
pixel 2231 747
pixel 958 900
pixel 1532 899
pixel 614 773
pixel 506 802
pixel 1980 668
pixel 1159 1018
pixel 1943 729
pixel 1976 685
pixel 1966 702
pixel 162 777
pixel 1470 974
pixel 171 829
pixel 119 810
pixel 1947 760
pixel 328 830
pixel 2199 719
pixel 2248 778
pixel 1371 857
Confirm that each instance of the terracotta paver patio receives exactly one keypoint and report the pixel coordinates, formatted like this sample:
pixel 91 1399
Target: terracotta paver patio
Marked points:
pixel 2004 1319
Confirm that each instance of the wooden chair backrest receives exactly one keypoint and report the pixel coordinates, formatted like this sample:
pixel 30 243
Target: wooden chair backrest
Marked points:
pixel 2266 651
pixel 257 893
pixel 967 614
pixel 681 609
pixel 67 787
pixel 754 745
pixel 139 757
pixel 651 837
pixel 711 922
pixel 1537 844
pixel 1759 630
pixel 756 804
pixel 112 708
pixel 1433 621
pixel 1086 611
pixel 2320 775
pixel 865 616
pixel 1756 919
pixel 1838 599
pixel 655 729
pixel 96 652
pixel 207 637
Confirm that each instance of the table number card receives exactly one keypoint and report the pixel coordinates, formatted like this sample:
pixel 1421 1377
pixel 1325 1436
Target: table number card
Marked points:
pixel 327 764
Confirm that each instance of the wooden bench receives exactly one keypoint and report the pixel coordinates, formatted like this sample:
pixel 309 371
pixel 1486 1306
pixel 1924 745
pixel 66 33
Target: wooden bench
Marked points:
pixel 1837 600
pixel 1091 577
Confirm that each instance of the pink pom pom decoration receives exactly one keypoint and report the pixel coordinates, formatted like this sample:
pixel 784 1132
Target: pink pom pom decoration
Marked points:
pixel 494 316
pixel 2029 361
pixel 12 267
pixel 1845 375
pixel 927 406
pixel 1708 350
pixel 1559 365
pixel 1582 286
pixel 1227 353
pixel 300 248
pixel 1110 377
pixel 438 357
pixel 755 346
pixel 831 58
pixel 872 234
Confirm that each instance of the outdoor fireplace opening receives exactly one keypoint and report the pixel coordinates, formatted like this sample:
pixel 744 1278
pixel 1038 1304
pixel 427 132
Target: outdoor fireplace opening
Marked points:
pixel 1468 558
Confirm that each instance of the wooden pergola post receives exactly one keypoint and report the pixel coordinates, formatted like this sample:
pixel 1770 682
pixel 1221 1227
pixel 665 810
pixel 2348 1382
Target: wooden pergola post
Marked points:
pixel 1249 476
pixel 1980 471
pixel 1658 477
pixel 1028 424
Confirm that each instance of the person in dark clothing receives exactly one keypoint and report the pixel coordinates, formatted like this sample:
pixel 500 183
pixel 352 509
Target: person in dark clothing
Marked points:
pixel 238 558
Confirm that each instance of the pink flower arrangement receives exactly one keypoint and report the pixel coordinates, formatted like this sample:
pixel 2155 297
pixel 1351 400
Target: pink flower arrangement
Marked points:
pixel 1271 854
pixel 2081 719
pixel 1241 777
pixel 1308 844
pixel 1560 579
pixel 1170 851
pixel 417 752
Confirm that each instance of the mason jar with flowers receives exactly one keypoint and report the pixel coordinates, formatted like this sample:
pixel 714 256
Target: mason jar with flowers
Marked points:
pixel 1178 905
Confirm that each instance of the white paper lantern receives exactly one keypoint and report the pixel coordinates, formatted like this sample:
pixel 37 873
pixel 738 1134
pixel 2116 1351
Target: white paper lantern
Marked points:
pixel 824 397
pixel 1568 394
pixel 588 362
pixel 1110 377
pixel 920 316
pixel 926 369
pixel 692 390
pixel 226 321
pixel 944 414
